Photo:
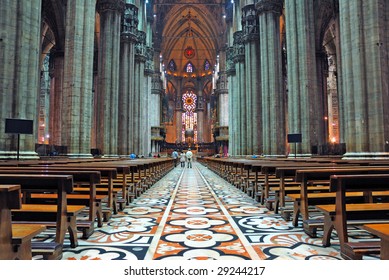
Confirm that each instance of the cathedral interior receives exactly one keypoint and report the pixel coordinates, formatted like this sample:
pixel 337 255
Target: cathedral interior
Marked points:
pixel 99 82
pixel 235 78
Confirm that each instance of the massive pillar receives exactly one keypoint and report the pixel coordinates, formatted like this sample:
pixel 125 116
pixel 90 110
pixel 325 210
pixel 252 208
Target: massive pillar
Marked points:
pixel 222 91
pixel 178 108
pixel 56 107
pixel 302 80
pixel 149 106
pixel 200 110
pixel 19 72
pixel 240 96
pixel 272 86
pixel 108 76
pixel 78 77
pixel 252 76
pixel 127 81
pixel 232 125
pixel 365 76
pixel 140 96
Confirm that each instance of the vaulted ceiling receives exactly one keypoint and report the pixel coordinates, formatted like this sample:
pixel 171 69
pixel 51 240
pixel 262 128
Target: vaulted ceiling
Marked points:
pixel 189 24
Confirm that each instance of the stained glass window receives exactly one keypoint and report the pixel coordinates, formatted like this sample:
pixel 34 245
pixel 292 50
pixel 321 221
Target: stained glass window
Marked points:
pixel 172 65
pixel 189 100
pixel 207 65
pixel 189 122
pixel 189 52
pixel 189 68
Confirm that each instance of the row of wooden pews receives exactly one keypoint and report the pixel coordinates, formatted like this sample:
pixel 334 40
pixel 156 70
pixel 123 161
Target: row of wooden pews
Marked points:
pixel 298 188
pixel 37 195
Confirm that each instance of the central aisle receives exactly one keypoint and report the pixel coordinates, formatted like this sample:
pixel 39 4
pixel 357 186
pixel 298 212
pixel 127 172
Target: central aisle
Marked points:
pixel 196 225
pixel 192 213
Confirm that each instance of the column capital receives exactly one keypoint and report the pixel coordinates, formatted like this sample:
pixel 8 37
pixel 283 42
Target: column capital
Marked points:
pixel 110 5
pixel 140 47
pixel 272 6
pixel 250 24
pixel 230 64
pixel 130 19
pixel 239 49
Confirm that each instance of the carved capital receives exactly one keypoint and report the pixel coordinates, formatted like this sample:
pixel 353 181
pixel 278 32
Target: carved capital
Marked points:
pixel 239 49
pixel 230 64
pixel 222 83
pixel 128 37
pixel 250 25
pixel 110 5
pixel 269 6
pixel 130 19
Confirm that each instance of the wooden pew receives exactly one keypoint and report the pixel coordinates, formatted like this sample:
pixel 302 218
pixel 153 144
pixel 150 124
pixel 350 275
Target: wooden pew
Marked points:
pixel 15 240
pixel 80 177
pixel 339 215
pixel 305 175
pixel 108 175
pixel 382 231
pixel 63 184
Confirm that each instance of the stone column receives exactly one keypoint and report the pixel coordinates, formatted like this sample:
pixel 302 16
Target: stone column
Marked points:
pixel 273 95
pixel 365 76
pixel 19 72
pixel 322 98
pixel 108 75
pixel 78 77
pixel 55 123
pixel 222 91
pixel 200 110
pixel 128 39
pixel 231 74
pixel 240 87
pixel 140 100
pixel 301 72
pixel 150 107
pixel 178 108
pixel 252 77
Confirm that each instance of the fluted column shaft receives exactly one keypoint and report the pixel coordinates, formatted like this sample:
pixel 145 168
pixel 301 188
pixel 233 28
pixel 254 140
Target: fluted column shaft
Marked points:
pixel 302 79
pixel 252 80
pixel 200 111
pixel 232 105
pixel 128 39
pixel 273 106
pixel 364 48
pixel 140 96
pixel 240 124
pixel 108 75
pixel 19 72
pixel 78 77
pixel 56 99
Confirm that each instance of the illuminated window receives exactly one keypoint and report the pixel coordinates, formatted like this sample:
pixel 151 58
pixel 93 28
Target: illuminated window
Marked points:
pixel 189 68
pixel 189 122
pixel 172 66
pixel 207 65
pixel 189 100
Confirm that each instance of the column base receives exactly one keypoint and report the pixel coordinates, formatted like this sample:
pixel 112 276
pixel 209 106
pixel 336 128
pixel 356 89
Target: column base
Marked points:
pixel 110 156
pixel 273 156
pixel 79 155
pixel 22 155
pixel 364 155
pixel 299 155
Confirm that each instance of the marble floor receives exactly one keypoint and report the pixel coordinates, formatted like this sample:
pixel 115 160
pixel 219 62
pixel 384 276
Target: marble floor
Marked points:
pixel 192 213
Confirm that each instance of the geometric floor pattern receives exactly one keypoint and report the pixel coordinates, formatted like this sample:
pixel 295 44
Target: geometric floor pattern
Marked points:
pixel 192 213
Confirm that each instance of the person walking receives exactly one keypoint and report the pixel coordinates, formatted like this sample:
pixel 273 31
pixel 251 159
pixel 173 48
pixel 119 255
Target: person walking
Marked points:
pixel 189 156
pixel 182 159
pixel 175 157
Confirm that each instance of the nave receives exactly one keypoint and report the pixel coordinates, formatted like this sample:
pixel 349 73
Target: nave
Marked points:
pixel 195 214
